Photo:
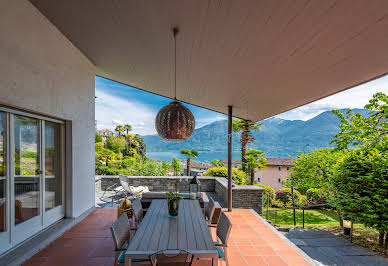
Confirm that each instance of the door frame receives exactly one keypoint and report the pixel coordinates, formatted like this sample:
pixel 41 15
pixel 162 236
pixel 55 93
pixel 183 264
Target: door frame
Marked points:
pixel 16 234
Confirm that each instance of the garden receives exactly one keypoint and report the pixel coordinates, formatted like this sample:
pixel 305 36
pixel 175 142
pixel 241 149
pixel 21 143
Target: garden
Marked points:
pixel 346 182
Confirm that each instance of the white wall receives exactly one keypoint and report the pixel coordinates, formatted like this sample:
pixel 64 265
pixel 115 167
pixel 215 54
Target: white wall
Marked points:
pixel 41 71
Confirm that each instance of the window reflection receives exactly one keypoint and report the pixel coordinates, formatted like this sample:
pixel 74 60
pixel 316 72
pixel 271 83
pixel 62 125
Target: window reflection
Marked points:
pixel 53 167
pixel 26 185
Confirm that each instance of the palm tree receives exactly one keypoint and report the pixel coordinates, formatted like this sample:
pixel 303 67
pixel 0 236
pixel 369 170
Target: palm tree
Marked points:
pixel 120 129
pixel 254 159
pixel 189 154
pixel 245 127
pixel 128 128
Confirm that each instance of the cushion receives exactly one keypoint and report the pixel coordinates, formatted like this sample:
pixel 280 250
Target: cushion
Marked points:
pixel 120 188
pixel 220 253
pixel 121 258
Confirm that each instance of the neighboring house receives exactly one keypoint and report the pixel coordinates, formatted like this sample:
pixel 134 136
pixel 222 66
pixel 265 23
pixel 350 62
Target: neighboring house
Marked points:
pixel 196 168
pixel 277 170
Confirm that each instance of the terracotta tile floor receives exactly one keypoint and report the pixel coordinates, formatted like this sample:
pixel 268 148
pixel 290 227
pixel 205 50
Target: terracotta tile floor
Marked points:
pixel 90 242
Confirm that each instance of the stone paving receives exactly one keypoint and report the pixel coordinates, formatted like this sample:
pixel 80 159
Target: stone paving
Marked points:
pixel 327 249
pixel 252 242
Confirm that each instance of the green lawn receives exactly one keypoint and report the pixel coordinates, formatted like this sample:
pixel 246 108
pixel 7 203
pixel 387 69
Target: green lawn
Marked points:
pixel 284 217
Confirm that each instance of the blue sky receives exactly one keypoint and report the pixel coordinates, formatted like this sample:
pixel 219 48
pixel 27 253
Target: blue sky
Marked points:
pixel 120 104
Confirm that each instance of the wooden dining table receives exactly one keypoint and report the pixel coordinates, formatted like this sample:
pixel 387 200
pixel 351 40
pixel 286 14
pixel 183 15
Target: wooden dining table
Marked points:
pixel 160 232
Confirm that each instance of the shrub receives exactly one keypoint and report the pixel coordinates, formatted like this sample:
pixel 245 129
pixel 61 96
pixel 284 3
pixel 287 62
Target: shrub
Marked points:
pixel 284 196
pixel 268 191
pixel 302 201
pixel 115 164
pixel 105 170
pixel 238 176
pixel 97 138
pixel 316 196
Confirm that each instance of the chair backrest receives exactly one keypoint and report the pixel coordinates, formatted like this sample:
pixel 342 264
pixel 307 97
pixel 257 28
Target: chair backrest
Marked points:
pixel 223 228
pixel 170 257
pixel 124 183
pixel 137 210
pixel 209 209
pixel 120 231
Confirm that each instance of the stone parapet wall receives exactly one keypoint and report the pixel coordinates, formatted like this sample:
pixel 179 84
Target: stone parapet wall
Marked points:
pixel 244 197
pixel 159 183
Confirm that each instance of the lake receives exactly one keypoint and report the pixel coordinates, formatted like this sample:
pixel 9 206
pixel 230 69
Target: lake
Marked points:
pixel 203 156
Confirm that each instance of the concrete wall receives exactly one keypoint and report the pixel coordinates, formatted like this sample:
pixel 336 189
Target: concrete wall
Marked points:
pixel 270 176
pixel 43 72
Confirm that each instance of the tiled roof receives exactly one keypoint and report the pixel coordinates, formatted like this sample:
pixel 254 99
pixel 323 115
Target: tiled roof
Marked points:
pixel 280 161
pixel 270 161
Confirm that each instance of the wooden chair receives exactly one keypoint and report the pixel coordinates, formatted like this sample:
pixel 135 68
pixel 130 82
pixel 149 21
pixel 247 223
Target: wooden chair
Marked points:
pixel 212 212
pixel 137 212
pixel 171 258
pixel 121 234
pixel 209 210
pixel 223 230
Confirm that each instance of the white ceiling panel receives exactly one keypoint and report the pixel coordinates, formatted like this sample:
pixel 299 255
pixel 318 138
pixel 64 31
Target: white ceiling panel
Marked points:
pixel 261 57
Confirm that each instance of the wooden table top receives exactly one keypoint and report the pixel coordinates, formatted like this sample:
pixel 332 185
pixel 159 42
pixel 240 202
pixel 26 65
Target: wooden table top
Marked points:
pixel 188 231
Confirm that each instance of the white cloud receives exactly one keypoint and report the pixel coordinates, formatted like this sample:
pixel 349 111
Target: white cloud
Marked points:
pixel 203 121
pixel 356 97
pixel 111 111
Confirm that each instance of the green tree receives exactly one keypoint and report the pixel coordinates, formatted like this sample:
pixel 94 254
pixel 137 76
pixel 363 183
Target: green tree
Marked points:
pixel 313 169
pixel 115 143
pixel 245 127
pixel 119 129
pixel 97 138
pixel 217 163
pixel 357 130
pixel 255 159
pixel 362 185
pixel 176 165
pixel 189 154
pixel 105 155
pixel 316 169
pixel 362 177
pixel 139 144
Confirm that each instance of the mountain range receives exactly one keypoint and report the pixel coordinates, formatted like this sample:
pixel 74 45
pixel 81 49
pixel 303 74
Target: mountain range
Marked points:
pixel 277 137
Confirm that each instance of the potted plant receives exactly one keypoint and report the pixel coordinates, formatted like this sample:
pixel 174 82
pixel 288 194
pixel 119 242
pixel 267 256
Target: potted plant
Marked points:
pixel 173 202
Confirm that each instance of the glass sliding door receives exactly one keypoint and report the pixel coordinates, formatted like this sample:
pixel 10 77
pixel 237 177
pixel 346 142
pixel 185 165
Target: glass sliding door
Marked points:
pixel 53 165
pixel 31 175
pixel 3 172
pixel 27 187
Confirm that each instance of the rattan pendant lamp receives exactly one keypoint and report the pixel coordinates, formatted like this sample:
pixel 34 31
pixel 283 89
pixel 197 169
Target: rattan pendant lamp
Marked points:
pixel 174 122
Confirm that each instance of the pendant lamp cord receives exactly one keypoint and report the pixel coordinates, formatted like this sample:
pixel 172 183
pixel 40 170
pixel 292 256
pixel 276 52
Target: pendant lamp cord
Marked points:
pixel 175 32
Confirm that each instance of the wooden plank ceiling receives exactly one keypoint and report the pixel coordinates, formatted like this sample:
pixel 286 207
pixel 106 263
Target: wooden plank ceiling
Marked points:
pixel 263 57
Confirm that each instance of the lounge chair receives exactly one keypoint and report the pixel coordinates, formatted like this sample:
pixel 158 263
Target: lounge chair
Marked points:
pixel 124 188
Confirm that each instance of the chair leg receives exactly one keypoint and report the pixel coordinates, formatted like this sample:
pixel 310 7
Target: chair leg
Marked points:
pixel 226 255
